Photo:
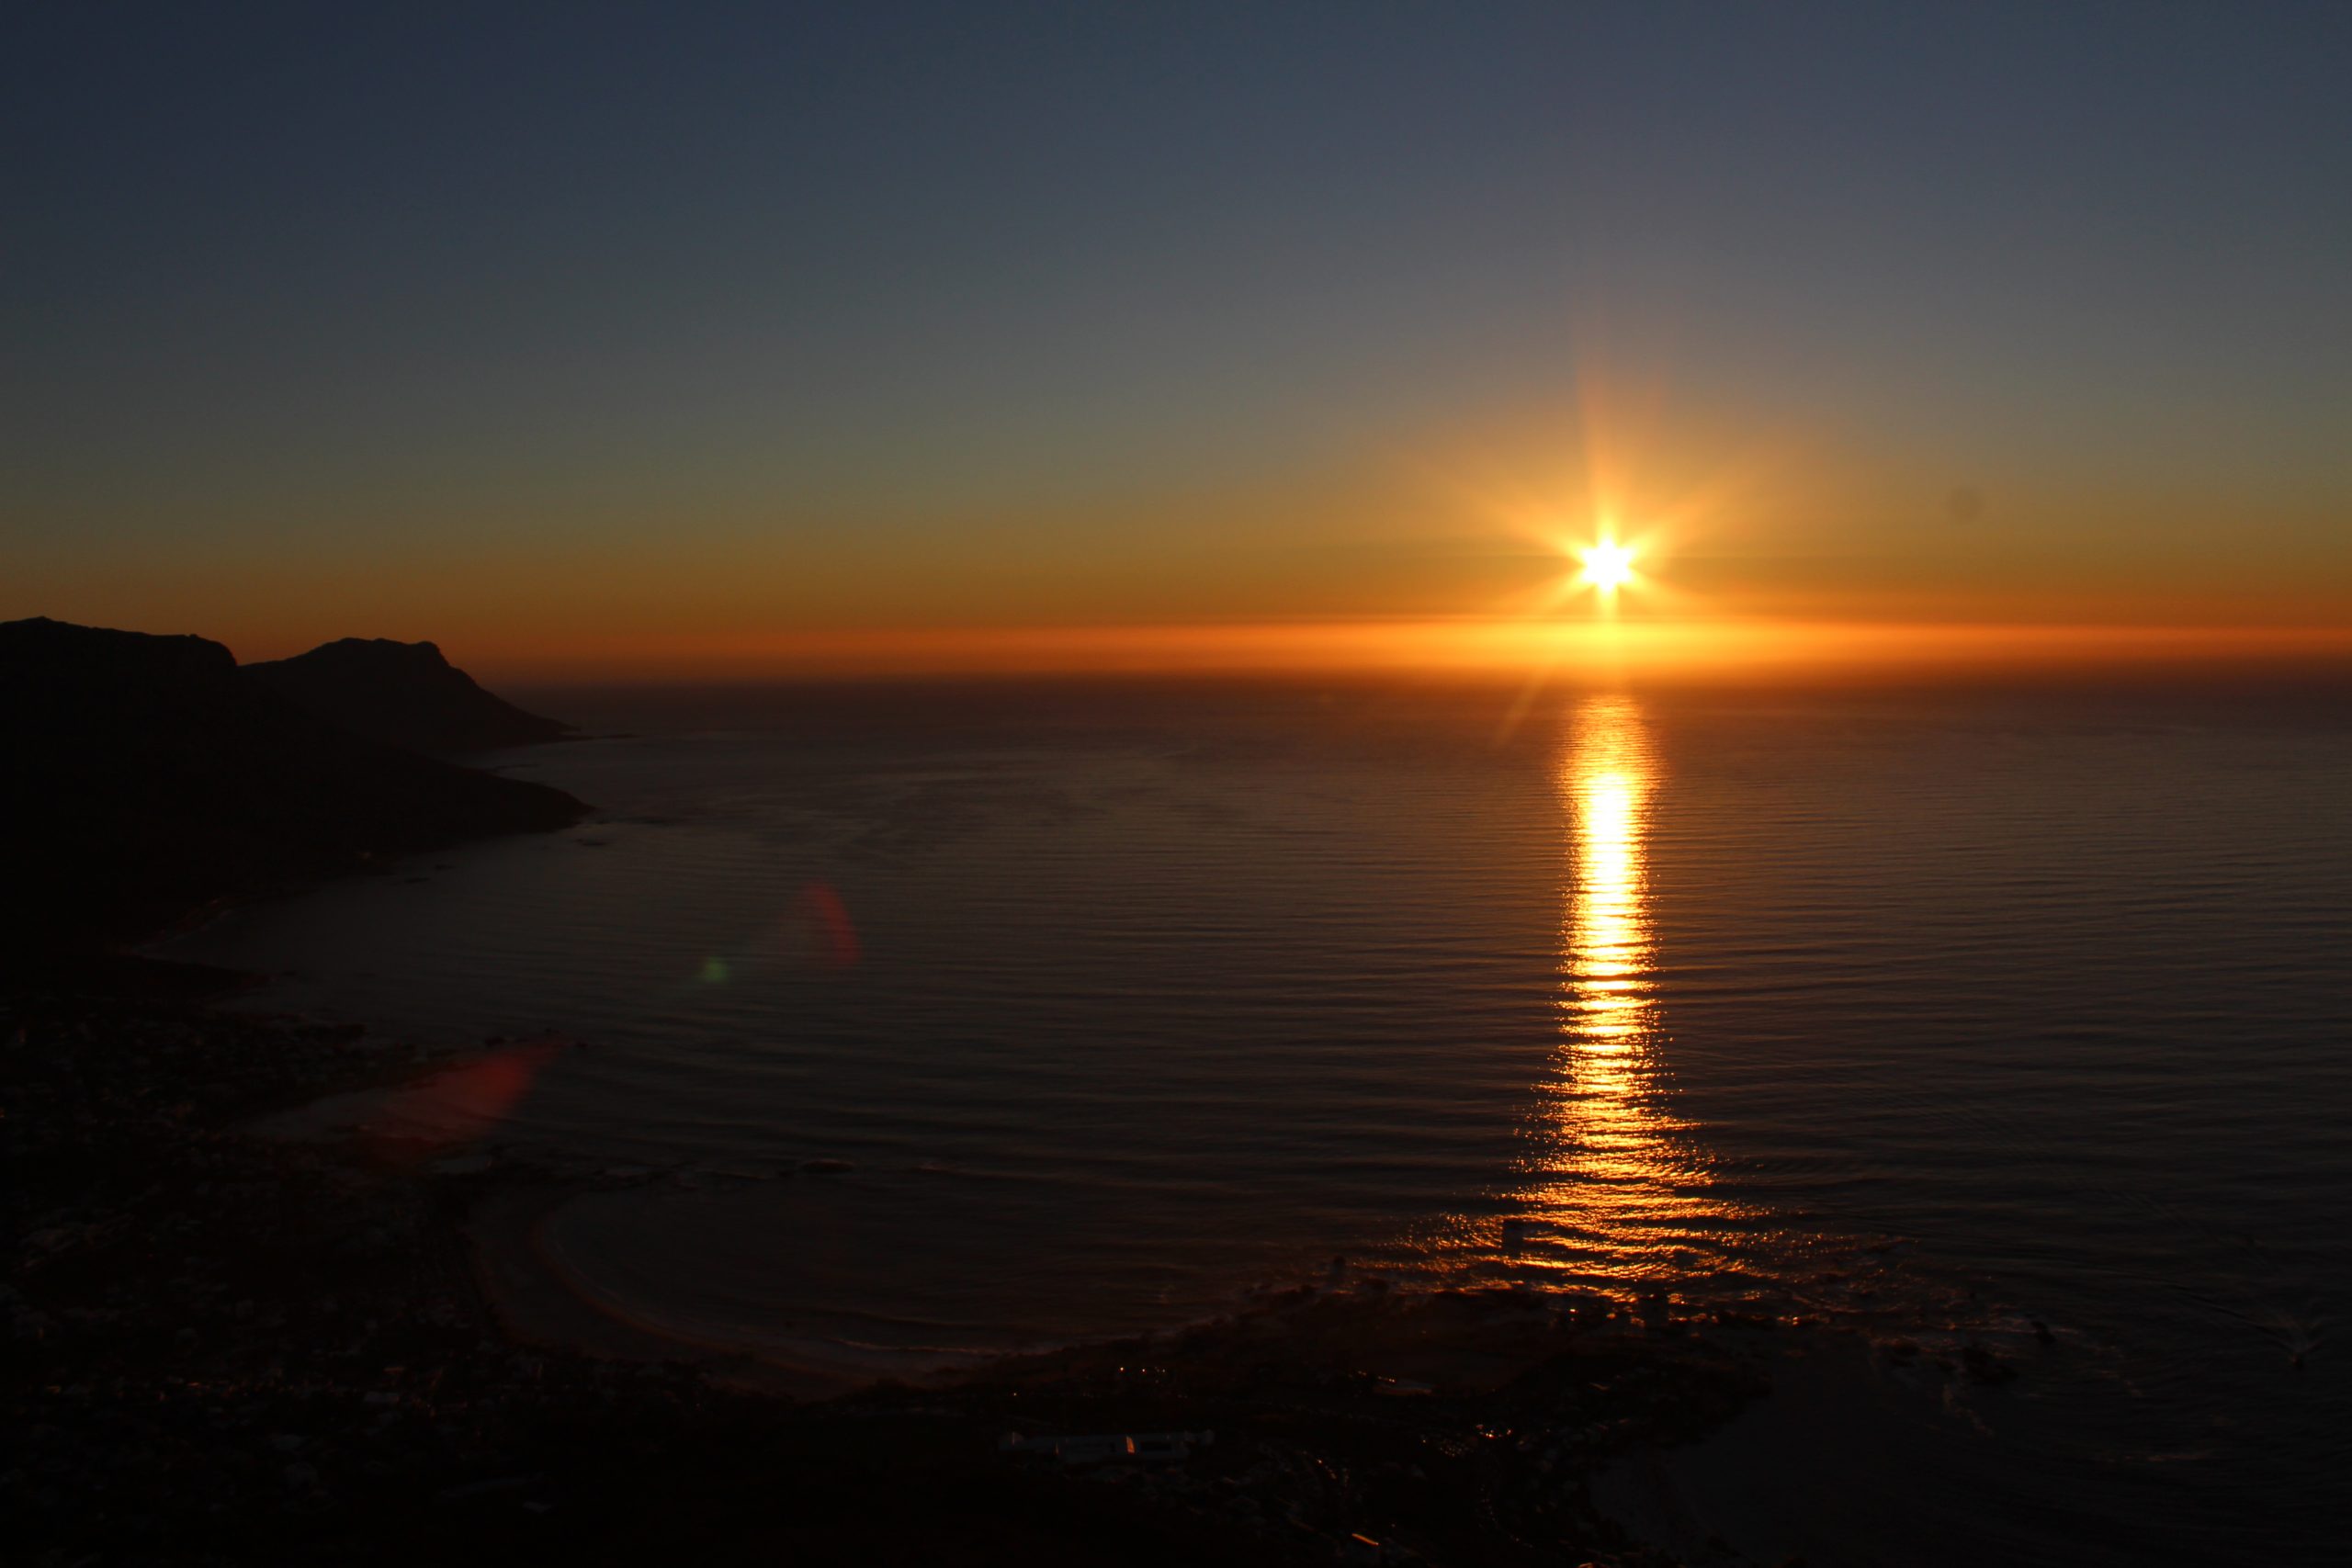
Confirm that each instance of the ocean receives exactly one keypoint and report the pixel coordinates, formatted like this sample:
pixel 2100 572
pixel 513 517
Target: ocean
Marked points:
pixel 908 1024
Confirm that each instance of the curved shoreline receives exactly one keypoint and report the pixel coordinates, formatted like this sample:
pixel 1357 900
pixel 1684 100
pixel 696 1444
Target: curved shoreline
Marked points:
pixel 538 1301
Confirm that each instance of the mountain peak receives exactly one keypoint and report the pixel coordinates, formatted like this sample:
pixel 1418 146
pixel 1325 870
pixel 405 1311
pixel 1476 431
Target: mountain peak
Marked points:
pixel 405 693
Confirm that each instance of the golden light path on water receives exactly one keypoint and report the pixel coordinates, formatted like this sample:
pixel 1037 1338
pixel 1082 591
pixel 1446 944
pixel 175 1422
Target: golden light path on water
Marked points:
pixel 1613 1188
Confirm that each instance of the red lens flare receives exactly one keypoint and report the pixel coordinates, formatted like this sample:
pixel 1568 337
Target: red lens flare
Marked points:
pixel 831 938
pixel 458 1106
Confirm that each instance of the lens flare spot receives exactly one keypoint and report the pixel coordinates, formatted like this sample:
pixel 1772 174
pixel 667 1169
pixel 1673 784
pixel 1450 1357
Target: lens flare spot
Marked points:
pixel 715 971
pixel 831 937
pixel 460 1105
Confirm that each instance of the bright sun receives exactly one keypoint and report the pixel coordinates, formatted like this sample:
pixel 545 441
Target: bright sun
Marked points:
pixel 1608 565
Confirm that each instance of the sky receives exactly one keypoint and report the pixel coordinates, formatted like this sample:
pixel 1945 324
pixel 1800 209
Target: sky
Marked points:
pixel 602 339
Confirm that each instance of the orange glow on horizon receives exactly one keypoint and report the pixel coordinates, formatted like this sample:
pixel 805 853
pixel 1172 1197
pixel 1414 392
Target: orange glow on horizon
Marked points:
pixel 1565 648
pixel 1614 532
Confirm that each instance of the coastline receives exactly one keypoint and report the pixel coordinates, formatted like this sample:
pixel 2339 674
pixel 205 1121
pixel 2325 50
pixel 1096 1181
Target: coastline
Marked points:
pixel 307 1343
pixel 534 1304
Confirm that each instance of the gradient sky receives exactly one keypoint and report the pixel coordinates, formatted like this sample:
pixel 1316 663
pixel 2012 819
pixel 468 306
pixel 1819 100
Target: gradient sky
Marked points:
pixel 586 337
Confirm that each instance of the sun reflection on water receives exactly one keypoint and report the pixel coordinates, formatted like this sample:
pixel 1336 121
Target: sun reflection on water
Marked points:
pixel 1612 1187
pixel 1606 995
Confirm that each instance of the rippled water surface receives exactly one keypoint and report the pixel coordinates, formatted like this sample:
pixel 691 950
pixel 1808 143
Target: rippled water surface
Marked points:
pixel 1968 1011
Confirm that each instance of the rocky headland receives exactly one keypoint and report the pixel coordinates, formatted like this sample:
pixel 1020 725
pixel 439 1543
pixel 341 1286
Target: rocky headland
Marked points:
pixel 149 776
pixel 402 694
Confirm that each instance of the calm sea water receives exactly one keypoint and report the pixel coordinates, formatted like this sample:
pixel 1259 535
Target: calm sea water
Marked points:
pixel 1954 1012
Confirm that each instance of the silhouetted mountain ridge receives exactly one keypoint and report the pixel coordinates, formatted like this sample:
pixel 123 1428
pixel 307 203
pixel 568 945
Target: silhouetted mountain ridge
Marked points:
pixel 147 775
pixel 404 694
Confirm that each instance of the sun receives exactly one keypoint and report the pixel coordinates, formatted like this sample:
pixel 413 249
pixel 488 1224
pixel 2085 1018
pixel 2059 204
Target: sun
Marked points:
pixel 1608 565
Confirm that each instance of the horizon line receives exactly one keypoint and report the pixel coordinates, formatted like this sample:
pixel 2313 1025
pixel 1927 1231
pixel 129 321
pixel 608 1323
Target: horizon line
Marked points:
pixel 1674 651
